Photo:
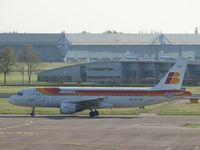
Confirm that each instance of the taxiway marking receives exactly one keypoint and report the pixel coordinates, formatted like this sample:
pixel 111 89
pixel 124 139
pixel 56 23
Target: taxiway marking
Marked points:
pixel 15 126
pixel 16 133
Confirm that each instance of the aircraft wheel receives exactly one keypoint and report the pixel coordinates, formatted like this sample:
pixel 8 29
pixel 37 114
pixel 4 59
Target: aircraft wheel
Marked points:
pixel 32 114
pixel 96 113
pixel 92 114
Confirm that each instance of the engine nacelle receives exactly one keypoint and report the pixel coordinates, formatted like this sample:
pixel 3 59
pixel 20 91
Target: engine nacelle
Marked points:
pixel 67 108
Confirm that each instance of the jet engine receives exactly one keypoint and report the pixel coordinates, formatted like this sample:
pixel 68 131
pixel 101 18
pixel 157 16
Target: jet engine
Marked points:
pixel 67 108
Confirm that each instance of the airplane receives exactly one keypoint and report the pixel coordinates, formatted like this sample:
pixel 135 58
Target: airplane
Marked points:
pixel 75 99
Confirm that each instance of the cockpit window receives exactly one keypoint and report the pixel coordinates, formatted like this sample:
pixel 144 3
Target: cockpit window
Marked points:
pixel 20 93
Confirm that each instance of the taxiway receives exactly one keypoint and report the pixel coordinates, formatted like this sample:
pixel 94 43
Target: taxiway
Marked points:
pixel 140 132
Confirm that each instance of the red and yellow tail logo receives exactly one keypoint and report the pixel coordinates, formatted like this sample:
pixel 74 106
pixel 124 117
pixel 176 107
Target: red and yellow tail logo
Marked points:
pixel 173 78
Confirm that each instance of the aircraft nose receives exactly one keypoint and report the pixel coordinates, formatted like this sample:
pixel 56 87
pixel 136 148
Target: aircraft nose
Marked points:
pixel 12 100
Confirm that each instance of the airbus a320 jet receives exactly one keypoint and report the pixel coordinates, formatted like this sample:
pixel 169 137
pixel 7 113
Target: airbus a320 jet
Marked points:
pixel 75 99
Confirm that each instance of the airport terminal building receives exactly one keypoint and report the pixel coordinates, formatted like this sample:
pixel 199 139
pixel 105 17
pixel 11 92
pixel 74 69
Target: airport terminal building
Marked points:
pixel 109 57
pixel 86 47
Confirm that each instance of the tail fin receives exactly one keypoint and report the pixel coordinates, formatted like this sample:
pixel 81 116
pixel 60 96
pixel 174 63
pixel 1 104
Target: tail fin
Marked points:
pixel 174 77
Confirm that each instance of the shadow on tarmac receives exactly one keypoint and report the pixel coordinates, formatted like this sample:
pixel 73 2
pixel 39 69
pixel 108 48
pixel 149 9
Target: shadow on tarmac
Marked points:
pixel 59 117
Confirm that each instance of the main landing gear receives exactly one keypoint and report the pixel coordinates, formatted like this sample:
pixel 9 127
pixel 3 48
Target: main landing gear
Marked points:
pixel 93 113
pixel 33 112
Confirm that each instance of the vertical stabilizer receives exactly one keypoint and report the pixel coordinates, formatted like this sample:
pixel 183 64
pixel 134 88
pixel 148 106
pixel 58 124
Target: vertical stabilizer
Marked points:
pixel 174 77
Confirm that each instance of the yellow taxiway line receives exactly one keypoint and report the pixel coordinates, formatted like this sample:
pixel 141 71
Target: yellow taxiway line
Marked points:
pixel 15 126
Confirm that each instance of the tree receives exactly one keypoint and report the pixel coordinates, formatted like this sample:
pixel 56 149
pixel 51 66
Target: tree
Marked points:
pixel 108 32
pixel 84 32
pixel 30 57
pixel 21 68
pixel 7 60
pixel 196 30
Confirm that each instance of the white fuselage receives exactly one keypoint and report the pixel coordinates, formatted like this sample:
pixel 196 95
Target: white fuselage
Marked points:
pixel 116 97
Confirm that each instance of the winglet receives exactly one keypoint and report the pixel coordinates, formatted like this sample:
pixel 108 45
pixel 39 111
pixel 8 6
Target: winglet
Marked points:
pixel 174 77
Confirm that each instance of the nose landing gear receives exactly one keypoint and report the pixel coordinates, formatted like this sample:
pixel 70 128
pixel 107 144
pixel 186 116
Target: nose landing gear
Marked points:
pixel 33 112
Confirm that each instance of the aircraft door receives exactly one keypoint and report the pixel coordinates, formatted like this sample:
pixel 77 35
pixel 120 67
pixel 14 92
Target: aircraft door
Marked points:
pixel 31 99
pixel 37 98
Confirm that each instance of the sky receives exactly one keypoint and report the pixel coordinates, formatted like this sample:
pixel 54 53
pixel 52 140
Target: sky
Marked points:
pixel 97 16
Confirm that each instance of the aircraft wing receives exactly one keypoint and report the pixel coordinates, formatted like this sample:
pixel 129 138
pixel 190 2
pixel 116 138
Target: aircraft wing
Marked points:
pixel 93 103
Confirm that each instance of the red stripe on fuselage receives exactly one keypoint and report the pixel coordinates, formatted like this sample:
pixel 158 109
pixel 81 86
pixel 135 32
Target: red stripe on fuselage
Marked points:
pixel 85 92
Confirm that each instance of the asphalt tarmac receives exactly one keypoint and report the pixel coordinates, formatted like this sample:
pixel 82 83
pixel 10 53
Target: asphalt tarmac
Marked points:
pixel 139 132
